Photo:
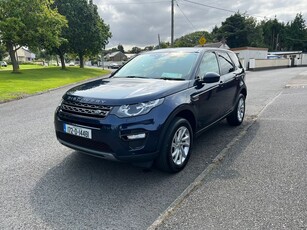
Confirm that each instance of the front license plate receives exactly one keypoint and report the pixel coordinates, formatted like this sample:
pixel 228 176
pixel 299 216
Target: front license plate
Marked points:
pixel 78 131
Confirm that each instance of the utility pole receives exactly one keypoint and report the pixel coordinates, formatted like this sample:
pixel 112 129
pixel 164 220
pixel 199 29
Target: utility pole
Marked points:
pixel 277 42
pixel 102 58
pixel 172 24
pixel 159 41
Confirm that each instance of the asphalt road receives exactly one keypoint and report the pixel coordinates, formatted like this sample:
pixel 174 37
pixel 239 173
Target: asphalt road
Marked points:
pixel 44 185
pixel 262 183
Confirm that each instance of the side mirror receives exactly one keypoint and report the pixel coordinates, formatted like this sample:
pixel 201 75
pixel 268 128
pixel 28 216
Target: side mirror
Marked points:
pixel 211 77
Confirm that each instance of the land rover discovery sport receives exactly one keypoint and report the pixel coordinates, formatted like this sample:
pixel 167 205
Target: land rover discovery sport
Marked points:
pixel 151 109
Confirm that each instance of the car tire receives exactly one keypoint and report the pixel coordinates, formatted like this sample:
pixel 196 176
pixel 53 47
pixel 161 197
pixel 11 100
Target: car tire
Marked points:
pixel 237 115
pixel 176 148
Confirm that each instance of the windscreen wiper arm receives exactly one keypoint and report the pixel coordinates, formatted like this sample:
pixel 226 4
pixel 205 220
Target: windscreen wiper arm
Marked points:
pixel 171 78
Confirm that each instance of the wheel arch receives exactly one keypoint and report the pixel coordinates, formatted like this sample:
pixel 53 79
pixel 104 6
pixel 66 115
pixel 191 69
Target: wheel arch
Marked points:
pixel 189 116
pixel 163 160
pixel 185 112
pixel 244 92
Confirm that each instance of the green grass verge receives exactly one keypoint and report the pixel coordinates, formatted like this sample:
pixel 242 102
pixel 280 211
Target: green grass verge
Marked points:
pixel 34 79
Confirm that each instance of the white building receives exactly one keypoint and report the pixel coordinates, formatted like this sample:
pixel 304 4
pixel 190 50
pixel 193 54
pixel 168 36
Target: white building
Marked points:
pixel 247 53
pixel 25 55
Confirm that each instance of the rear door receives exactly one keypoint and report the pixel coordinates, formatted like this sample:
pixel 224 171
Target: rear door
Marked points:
pixel 229 82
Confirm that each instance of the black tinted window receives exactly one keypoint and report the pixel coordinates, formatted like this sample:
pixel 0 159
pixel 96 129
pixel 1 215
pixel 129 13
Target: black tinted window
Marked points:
pixel 235 59
pixel 226 64
pixel 208 64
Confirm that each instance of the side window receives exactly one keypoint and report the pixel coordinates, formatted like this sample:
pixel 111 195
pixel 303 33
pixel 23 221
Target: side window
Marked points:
pixel 208 64
pixel 226 64
pixel 235 59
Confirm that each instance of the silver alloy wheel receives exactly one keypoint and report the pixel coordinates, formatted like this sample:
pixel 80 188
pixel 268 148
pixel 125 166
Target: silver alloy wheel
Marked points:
pixel 180 145
pixel 241 109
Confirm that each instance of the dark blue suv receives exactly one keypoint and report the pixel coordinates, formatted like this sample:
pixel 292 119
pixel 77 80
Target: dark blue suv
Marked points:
pixel 151 109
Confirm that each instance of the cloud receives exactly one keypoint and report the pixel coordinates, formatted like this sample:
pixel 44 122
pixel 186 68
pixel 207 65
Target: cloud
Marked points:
pixel 138 22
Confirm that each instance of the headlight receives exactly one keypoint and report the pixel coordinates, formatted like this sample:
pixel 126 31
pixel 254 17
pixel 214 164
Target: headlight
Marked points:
pixel 137 109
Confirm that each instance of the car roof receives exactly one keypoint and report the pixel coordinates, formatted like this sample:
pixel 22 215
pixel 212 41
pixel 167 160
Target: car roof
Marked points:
pixel 186 50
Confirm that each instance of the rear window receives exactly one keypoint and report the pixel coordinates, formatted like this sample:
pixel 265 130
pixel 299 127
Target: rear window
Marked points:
pixel 235 60
pixel 226 64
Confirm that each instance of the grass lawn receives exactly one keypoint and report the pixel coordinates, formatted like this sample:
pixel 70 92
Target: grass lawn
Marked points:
pixel 35 78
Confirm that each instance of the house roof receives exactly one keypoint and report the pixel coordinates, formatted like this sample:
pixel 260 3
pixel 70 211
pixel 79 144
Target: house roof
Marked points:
pixel 111 55
pixel 285 52
pixel 130 55
pixel 114 54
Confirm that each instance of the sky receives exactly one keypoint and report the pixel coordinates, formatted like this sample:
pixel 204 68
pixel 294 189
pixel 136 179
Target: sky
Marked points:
pixel 139 22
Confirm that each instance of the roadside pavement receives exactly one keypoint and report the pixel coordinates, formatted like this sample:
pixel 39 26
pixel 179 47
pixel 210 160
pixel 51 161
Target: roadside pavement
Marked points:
pixel 262 182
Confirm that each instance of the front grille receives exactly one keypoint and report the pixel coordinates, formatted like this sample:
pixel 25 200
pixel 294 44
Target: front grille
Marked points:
pixel 85 109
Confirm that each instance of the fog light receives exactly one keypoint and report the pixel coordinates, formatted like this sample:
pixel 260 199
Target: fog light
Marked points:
pixel 136 136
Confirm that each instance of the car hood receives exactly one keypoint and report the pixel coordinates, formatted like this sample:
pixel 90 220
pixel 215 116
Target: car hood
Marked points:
pixel 119 91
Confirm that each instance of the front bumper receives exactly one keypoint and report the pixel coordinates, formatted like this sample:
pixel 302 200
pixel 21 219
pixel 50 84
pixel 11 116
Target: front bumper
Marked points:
pixel 113 138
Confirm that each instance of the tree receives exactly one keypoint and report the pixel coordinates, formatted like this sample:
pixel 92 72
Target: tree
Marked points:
pixel 297 34
pixel 254 32
pixel 163 45
pixel 239 30
pixel 30 23
pixel 136 50
pixel 87 33
pixel 148 48
pixel 273 34
pixel 3 52
pixel 121 48
pixel 44 55
pixel 192 39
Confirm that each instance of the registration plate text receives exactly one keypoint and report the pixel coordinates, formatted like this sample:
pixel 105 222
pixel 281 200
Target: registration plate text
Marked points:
pixel 78 131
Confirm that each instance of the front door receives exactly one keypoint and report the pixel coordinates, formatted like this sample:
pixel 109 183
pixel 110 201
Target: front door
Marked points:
pixel 207 97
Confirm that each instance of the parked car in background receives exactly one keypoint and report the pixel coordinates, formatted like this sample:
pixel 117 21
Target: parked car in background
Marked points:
pixel 273 56
pixel 114 66
pixel 152 109
pixel 3 64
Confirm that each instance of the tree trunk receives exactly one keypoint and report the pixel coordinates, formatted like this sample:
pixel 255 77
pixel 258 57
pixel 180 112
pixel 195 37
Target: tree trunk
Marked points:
pixel 61 55
pixel 62 61
pixel 12 53
pixel 81 61
pixel 57 60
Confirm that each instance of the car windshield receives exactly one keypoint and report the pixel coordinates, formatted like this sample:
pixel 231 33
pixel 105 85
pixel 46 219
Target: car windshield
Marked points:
pixel 168 66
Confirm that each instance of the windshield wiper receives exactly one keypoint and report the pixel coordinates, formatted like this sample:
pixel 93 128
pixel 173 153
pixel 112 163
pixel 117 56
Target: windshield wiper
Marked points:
pixel 171 78
pixel 133 77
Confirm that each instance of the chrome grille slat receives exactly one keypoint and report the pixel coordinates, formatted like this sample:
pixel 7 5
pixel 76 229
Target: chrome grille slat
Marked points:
pixel 85 109
pixel 85 105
